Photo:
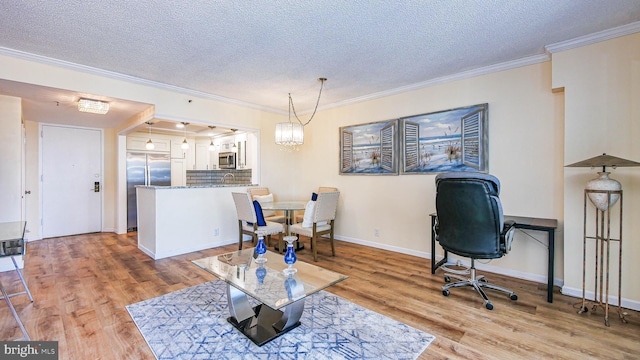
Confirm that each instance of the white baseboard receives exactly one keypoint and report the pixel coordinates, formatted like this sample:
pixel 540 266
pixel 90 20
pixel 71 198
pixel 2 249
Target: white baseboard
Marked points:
pixel 495 269
pixel 613 300
pixel 166 254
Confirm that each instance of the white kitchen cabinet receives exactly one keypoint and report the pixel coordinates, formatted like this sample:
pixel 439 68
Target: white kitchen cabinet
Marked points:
pixel 202 156
pixel 178 172
pixel 140 143
pixel 177 152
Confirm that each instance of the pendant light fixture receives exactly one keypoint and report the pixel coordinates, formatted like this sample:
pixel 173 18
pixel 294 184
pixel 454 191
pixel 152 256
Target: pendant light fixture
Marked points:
pixel 234 148
pixel 185 144
pixel 291 134
pixel 150 145
pixel 212 146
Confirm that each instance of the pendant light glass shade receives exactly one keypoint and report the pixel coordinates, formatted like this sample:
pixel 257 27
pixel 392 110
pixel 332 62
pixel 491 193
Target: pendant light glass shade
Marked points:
pixel 212 146
pixel 289 134
pixel 150 145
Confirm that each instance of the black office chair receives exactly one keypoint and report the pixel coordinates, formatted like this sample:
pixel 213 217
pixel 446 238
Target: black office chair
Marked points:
pixel 470 223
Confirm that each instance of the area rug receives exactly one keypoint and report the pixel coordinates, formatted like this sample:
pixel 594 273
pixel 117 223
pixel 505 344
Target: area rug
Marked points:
pixel 191 324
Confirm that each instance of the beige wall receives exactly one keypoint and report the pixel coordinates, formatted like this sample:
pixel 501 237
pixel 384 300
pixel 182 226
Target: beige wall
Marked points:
pixel 602 87
pixel 526 154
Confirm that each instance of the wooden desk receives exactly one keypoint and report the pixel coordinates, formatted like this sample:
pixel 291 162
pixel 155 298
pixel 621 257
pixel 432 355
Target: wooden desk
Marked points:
pixel 547 225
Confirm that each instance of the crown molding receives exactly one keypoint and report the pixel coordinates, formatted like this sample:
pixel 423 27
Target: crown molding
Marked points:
pixel 445 79
pixel 128 78
pixel 593 38
pixel 549 49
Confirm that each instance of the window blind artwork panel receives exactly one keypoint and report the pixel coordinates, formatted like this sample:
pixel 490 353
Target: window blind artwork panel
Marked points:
pixel 471 139
pixel 411 145
pixel 346 151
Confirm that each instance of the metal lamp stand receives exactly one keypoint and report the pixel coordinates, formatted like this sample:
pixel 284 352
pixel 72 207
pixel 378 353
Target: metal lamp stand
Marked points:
pixel 603 239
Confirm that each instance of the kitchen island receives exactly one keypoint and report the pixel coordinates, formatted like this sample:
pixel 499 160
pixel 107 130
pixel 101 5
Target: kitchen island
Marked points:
pixel 175 220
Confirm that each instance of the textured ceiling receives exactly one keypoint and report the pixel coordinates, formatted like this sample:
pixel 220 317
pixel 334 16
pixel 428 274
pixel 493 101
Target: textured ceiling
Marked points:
pixel 256 52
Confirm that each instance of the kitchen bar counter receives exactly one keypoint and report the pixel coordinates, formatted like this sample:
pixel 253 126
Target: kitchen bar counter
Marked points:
pixel 195 186
pixel 175 220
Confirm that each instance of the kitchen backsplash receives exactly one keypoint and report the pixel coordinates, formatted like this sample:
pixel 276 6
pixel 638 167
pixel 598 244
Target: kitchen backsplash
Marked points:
pixel 218 177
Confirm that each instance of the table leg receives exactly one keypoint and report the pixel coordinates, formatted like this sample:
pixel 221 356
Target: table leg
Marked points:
pixel 289 218
pixel 15 314
pixel 550 266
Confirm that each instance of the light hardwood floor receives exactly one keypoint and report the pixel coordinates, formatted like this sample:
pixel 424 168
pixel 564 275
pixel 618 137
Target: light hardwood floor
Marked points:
pixel 81 285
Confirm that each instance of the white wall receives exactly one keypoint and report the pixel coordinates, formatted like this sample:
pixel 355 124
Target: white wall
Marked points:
pixel 10 158
pixel 168 105
pixel 602 87
pixel 10 165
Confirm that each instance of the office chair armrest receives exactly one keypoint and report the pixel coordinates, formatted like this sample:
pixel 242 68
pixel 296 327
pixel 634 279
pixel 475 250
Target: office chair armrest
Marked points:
pixel 506 236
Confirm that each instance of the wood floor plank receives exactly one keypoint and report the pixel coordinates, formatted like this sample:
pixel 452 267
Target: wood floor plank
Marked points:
pixel 81 285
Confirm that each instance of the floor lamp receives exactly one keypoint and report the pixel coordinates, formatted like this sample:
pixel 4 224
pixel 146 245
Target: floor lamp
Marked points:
pixel 604 193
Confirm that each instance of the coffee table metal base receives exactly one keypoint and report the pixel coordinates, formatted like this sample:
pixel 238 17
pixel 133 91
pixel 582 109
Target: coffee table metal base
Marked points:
pixel 262 328
pixel 261 324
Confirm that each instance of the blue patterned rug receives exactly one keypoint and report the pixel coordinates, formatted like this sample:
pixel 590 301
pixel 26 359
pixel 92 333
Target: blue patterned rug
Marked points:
pixel 191 324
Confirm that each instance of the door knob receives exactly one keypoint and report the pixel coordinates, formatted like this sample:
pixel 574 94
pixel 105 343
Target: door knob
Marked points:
pixel 27 192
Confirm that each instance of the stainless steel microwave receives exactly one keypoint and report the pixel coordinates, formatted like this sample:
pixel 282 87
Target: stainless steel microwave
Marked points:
pixel 227 160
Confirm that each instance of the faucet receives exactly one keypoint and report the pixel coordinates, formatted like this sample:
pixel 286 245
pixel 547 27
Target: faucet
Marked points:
pixel 225 177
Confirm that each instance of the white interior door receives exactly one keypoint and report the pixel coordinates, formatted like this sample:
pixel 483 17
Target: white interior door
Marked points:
pixel 71 180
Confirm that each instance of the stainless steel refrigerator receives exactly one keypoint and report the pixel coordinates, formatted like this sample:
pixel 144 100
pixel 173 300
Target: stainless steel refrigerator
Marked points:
pixel 144 169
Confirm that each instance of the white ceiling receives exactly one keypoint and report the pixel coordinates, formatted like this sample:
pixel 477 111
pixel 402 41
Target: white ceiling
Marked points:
pixel 256 52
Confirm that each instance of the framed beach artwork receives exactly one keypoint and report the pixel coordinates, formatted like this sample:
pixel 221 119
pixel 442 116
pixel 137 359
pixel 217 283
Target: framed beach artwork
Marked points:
pixel 369 149
pixel 444 141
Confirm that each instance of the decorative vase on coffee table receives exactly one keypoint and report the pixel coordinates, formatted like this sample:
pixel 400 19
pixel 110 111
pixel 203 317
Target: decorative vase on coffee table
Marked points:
pixel 261 248
pixel 290 256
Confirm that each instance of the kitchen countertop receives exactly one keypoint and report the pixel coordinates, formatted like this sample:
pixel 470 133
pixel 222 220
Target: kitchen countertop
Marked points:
pixel 194 186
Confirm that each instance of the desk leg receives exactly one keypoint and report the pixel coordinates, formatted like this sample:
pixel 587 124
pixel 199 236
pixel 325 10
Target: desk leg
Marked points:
pixel 550 274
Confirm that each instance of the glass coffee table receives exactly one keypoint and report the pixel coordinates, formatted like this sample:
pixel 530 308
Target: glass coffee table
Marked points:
pixel 280 297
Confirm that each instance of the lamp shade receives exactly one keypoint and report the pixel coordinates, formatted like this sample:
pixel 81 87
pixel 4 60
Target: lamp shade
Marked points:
pixel 604 201
pixel 289 134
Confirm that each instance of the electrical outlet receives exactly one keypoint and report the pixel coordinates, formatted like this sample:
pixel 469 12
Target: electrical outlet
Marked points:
pixel 376 232
pixel 216 232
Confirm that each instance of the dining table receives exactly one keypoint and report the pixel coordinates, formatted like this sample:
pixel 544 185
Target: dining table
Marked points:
pixel 289 207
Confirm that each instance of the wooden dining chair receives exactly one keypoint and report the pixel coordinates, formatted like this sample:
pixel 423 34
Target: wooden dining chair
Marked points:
pixel 323 221
pixel 248 220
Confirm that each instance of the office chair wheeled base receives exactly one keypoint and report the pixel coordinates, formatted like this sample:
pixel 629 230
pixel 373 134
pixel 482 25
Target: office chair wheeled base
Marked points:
pixel 477 282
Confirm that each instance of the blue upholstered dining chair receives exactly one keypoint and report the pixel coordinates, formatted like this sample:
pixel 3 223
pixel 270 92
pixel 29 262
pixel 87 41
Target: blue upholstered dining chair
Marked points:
pixel 249 221
pixel 470 223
